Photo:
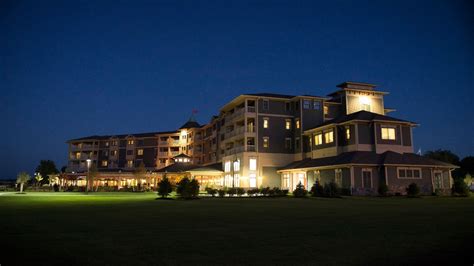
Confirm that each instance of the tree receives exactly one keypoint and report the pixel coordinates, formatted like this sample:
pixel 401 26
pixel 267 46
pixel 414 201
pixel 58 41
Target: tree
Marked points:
pixel 467 165
pixel 63 169
pixel 317 190
pixel 140 172
pixel 164 187
pixel 53 179
pixel 21 179
pixel 181 185
pixel 383 189
pixel 46 168
pixel 299 191
pixel 460 188
pixel 38 178
pixel 92 173
pixel 443 155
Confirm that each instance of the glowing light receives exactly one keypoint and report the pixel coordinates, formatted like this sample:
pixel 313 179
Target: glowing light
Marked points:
pixel 364 100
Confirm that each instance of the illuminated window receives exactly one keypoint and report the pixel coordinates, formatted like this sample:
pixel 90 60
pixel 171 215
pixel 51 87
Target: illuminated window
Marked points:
pixel 365 103
pixel 227 167
pixel 348 133
pixel 266 104
pixel 140 152
pixel 129 163
pixel 104 163
pixel 318 139
pixel 113 153
pixel 107 144
pixel 252 180
pixel 329 136
pixel 253 164
pixel 317 176
pixel 130 142
pixel 228 181
pixel 286 181
pixel 326 110
pixel 78 155
pixel 306 104
pixel 236 181
pixel 317 105
pixel 265 123
pixel 366 107
pixel 388 133
pixel 297 123
pixel 237 165
pixel 265 142
pixel 288 124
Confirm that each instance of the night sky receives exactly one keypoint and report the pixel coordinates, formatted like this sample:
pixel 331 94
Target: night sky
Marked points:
pixel 72 69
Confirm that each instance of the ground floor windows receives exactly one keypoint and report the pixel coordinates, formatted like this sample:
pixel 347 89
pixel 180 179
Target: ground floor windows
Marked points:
pixel 409 173
pixel 252 180
pixel 301 178
pixel 338 177
pixel 286 181
pixel 366 178
pixel 438 180
pixel 253 164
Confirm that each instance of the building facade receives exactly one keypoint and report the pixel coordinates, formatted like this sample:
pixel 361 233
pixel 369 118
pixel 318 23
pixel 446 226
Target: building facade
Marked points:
pixel 274 140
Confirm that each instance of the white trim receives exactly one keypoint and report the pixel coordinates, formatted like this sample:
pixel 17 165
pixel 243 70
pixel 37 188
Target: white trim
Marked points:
pixel 413 173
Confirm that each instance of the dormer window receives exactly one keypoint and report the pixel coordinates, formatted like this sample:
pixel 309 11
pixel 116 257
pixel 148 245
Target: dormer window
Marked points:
pixel 130 142
pixel 348 133
pixel 329 136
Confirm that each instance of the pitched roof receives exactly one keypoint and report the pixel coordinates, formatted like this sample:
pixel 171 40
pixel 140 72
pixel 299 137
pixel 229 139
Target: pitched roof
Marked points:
pixel 364 116
pixel 177 168
pixel 210 167
pixel 182 155
pixel 369 158
pixel 137 135
pixel 272 95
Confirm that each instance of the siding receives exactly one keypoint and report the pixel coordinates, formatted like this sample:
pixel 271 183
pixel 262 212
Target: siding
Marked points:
pixel 406 135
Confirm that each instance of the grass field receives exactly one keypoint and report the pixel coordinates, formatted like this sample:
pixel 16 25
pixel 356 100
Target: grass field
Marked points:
pixel 133 228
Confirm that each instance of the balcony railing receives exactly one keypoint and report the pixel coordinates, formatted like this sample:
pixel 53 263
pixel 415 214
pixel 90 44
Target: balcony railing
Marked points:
pixel 251 109
pixel 236 113
pixel 163 143
pixel 250 148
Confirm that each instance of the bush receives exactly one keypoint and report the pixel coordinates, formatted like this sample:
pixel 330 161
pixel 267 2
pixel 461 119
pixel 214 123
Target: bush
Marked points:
pixel 299 191
pixel 211 191
pixel 383 189
pixel 252 192
pixel 284 192
pixel 240 191
pixel 317 190
pixel 188 189
pixel 275 192
pixel 460 188
pixel 164 187
pixel 346 192
pixel 331 190
pixel 221 192
pixel 265 191
pixel 232 191
pixel 413 190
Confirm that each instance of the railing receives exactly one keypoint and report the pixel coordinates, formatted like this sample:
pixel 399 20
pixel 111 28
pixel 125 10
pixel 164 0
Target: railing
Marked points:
pixel 174 153
pixel 251 109
pixel 163 143
pixel 250 148
pixel 163 154
pixel 174 142
pixel 236 113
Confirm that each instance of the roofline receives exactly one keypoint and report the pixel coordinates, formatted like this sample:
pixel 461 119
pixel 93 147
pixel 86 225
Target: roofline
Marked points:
pixel 358 120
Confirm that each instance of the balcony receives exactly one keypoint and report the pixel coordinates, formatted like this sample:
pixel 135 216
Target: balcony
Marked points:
pixel 163 143
pixel 234 115
pixel 174 153
pixel 238 149
pixel 163 154
pixel 251 109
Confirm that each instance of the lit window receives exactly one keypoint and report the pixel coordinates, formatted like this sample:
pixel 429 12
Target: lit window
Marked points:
pixel 78 155
pixel 107 144
pixel 329 136
pixel 286 181
pixel 297 123
pixel 317 105
pixel 129 163
pixel 348 133
pixel 306 104
pixel 317 176
pixel 266 104
pixel 140 152
pixel 338 177
pixel 265 123
pixel 265 142
pixel 288 124
pixel 318 139
pixel 227 166
pixel 114 153
pixel 252 180
pixel 388 133
pixel 326 110
pixel 104 163
pixel 130 142
pixel 237 165
pixel 253 164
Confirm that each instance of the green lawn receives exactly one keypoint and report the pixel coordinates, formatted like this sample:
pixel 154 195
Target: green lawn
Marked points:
pixel 134 228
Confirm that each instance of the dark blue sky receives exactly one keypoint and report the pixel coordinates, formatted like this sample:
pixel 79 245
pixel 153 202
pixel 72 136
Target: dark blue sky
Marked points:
pixel 70 69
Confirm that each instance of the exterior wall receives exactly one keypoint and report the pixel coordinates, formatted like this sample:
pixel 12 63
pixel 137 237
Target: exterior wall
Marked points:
pixel 276 133
pixel 358 186
pixel 398 185
pixel 391 145
pixel 355 104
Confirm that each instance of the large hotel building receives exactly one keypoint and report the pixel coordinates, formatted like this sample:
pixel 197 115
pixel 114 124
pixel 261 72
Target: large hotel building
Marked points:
pixel 272 140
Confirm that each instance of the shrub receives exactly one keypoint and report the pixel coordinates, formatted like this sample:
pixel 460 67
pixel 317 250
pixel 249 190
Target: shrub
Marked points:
pixel 240 191
pixel 284 192
pixel 299 191
pixel 252 192
pixel 317 190
pixel 232 191
pixel 164 187
pixel 383 189
pixel 221 192
pixel 265 191
pixel 276 191
pixel 413 190
pixel 331 190
pixel 188 189
pixel 211 191
pixel 460 188
pixel 346 192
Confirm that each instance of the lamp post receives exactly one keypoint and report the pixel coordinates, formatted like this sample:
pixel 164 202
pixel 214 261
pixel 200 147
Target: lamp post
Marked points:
pixel 88 173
